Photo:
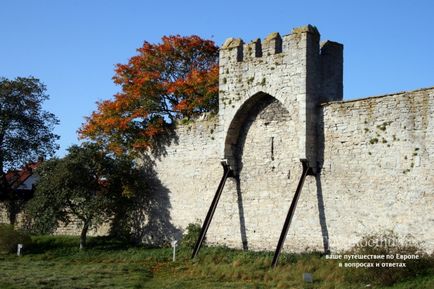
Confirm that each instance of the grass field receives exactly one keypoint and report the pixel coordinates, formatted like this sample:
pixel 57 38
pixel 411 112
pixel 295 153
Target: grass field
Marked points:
pixel 55 262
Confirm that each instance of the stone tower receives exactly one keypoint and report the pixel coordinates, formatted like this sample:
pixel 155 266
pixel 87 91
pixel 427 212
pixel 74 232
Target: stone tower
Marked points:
pixel 294 69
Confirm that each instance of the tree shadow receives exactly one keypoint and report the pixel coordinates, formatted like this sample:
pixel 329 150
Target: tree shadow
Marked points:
pixel 152 223
pixel 159 149
pixel 145 217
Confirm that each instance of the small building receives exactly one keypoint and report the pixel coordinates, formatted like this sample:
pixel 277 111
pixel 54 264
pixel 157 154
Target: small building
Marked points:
pixel 22 181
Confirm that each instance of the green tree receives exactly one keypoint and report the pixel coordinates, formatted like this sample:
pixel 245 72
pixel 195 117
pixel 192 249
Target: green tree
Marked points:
pixel 86 184
pixel 26 131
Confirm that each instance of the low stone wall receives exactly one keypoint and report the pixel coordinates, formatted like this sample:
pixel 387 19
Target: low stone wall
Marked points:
pixel 73 228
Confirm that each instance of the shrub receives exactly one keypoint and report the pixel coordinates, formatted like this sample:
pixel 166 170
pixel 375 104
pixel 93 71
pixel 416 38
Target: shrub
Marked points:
pixel 389 244
pixel 191 235
pixel 10 238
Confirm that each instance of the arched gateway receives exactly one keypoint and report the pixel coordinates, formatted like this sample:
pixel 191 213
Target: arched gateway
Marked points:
pixel 269 116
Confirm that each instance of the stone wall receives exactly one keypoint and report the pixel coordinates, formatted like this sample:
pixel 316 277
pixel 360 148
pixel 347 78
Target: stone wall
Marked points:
pixel 187 175
pixel 73 228
pixel 253 206
pixel 375 175
pixel 3 215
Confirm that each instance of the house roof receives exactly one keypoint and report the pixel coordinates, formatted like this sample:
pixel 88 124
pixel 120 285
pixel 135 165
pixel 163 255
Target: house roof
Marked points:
pixel 16 178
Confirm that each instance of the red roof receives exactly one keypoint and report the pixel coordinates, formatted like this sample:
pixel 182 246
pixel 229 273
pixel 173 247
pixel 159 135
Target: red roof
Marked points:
pixel 17 177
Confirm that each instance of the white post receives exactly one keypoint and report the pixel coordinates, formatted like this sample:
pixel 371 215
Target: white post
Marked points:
pixel 19 247
pixel 173 243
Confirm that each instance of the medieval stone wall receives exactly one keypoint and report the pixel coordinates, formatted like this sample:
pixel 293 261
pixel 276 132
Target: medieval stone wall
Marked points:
pixel 73 228
pixel 3 214
pixel 375 176
pixel 188 174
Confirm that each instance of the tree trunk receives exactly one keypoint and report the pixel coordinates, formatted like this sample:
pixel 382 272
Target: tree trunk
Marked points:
pixel 83 235
pixel 12 211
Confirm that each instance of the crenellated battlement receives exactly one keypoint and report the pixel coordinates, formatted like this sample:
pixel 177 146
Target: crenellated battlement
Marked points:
pixel 236 48
pixel 276 60
pixel 244 65
pixel 294 69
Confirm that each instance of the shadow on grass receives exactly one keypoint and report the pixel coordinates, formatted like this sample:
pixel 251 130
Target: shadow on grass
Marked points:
pixel 69 244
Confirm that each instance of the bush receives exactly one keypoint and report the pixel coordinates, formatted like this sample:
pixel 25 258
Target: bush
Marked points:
pixel 389 244
pixel 10 238
pixel 191 235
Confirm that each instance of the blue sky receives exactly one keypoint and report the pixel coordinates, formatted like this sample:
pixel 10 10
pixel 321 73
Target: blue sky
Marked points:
pixel 72 46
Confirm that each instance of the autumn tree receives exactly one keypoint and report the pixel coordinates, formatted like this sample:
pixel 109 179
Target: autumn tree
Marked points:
pixel 26 132
pixel 177 78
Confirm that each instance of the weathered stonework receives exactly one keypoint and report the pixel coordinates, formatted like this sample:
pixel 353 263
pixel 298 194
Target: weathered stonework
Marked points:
pixel 377 171
pixel 281 100
pixel 73 228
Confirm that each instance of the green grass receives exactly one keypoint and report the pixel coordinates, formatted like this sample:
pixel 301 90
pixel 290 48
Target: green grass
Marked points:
pixel 56 262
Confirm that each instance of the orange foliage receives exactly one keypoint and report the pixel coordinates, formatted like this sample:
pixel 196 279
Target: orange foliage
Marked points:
pixel 174 79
